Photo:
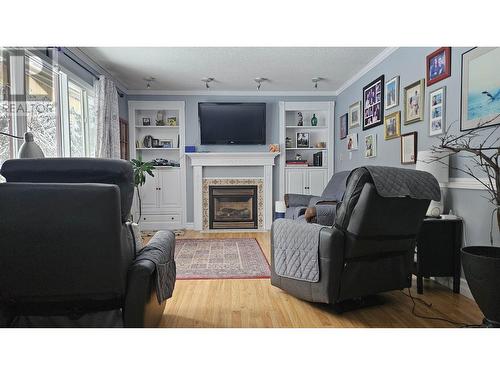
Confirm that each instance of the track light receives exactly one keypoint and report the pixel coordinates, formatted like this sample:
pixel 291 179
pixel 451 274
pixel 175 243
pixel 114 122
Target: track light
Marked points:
pixel 149 81
pixel 207 80
pixel 259 81
pixel 315 80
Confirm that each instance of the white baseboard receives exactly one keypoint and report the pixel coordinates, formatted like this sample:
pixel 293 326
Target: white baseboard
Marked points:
pixel 448 282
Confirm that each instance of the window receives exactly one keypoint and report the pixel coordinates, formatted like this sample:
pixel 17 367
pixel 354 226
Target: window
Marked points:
pixel 6 143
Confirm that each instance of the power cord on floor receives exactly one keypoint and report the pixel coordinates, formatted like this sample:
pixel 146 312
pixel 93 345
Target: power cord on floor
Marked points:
pixel 429 305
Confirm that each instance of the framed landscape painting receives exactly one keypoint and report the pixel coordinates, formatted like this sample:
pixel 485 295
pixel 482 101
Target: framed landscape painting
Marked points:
pixel 480 106
pixel 373 103
pixel 438 65
pixel 414 102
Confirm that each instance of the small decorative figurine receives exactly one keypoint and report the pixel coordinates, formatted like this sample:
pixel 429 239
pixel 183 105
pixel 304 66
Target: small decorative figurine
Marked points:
pixel 301 119
pixel 298 157
pixel 314 120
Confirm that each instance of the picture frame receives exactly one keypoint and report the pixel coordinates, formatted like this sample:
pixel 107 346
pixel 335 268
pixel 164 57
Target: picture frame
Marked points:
pixel 392 93
pixel 414 101
pixel 352 142
pixel 437 111
pixel 343 126
pixel 172 121
pixel 370 145
pixel 480 100
pixel 354 115
pixel 166 143
pixel 438 65
pixel 409 148
pixel 302 139
pixel 373 103
pixel 146 121
pixel 392 125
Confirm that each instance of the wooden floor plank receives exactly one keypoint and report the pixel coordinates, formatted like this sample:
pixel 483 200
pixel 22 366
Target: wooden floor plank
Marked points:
pixel 255 303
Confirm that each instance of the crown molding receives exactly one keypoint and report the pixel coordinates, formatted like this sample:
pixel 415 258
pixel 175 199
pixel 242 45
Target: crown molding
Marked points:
pixel 230 93
pixel 372 64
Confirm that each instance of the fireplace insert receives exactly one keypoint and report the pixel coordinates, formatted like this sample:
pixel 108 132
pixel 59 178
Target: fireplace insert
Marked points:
pixel 233 207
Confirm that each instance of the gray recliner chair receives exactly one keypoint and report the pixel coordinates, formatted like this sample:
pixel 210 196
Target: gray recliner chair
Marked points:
pixel 322 209
pixel 67 254
pixel 368 249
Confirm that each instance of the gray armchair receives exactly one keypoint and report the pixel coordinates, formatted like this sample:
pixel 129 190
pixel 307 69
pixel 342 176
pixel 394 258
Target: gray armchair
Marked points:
pixel 316 209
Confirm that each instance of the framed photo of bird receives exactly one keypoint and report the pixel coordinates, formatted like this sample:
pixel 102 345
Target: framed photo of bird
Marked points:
pixel 480 104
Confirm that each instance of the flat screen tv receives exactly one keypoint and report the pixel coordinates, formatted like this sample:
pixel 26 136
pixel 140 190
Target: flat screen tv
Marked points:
pixel 232 123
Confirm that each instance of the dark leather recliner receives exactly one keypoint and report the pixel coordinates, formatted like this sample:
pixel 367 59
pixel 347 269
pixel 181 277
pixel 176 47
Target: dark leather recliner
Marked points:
pixel 368 250
pixel 65 246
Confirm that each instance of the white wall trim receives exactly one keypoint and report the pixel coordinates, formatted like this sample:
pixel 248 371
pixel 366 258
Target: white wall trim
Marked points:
pixel 230 93
pixel 372 64
pixel 465 183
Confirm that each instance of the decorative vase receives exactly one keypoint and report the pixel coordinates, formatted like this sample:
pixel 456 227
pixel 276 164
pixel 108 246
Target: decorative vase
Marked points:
pixel 314 120
pixel 482 270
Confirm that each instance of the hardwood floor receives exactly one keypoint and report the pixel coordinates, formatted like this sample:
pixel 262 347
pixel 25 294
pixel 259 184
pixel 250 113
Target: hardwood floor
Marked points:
pixel 258 304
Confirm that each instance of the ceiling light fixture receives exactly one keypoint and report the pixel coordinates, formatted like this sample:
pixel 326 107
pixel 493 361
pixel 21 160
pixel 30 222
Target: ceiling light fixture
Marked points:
pixel 207 80
pixel 149 81
pixel 315 80
pixel 259 81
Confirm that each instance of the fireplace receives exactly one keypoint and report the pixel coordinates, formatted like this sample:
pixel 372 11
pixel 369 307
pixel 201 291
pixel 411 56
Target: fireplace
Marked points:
pixel 233 207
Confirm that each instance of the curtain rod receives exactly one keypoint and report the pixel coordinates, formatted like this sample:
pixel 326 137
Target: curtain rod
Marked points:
pixel 95 75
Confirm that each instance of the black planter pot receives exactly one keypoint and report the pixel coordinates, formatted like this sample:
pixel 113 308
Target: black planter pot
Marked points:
pixel 482 271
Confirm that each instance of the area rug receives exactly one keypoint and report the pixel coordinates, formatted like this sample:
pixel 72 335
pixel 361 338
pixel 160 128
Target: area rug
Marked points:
pixel 230 258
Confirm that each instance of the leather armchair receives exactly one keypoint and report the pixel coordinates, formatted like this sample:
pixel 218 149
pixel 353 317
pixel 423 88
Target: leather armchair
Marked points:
pixel 367 250
pixel 67 255
pixel 316 209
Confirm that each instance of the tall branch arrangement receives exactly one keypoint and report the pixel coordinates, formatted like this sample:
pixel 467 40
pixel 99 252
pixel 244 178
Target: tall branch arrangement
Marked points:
pixel 482 147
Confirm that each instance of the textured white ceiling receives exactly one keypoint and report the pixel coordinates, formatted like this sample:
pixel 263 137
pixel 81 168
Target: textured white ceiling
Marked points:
pixel 234 68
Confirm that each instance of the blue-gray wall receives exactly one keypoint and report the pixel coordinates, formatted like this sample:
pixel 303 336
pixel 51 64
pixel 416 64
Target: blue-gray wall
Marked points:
pixel 193 132
pixel 409 64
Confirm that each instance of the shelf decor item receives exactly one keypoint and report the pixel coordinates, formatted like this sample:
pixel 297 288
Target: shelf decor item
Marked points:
pixel 343 126
pixel 373 103
pixel 172 121
pixel 314 120
pixel 146 121
pixel 300 119
pixel 160 118
pixel 437 111
pixel 274 147
pixel 392 93
pixel 409 148
pixel 354 115
pixel 288 142
pixel 302 140
pixel 438 65
pixel 480 105
pixel 414 102
pixel 392 125
pixel 166 143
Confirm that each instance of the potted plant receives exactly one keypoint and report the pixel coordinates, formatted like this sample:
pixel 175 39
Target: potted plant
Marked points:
pixel 481 263
pixel 141 170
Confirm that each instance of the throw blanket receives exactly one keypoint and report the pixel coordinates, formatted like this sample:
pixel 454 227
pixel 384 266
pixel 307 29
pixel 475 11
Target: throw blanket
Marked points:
pixel 160 251
pixel 398 182
pixel 295 249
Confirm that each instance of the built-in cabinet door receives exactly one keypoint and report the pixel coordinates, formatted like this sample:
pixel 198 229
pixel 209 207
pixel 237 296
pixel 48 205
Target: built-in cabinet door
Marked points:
pixel 170 188
pixel 149 192
pixel 295 181
pixel 316 181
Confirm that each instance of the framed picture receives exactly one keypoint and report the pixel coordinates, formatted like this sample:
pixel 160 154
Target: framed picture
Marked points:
pixel 166 143
pixel 480 106
pixel 172 121
pixel 409 148
pixel 343 126
pixel 437 111
pixel 352 141
pixel 392 125
pixel 373 103
pixel 302 140
pixel 438 65
pixel 414 102
pixel 370 145
pixel 392 93
pixel 354 115
pixel 146 121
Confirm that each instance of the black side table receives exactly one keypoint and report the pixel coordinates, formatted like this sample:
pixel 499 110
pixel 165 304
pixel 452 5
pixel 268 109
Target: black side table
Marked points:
pixel 438 251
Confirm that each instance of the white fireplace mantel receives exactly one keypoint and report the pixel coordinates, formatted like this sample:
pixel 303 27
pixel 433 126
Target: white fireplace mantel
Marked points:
pixel 232 159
